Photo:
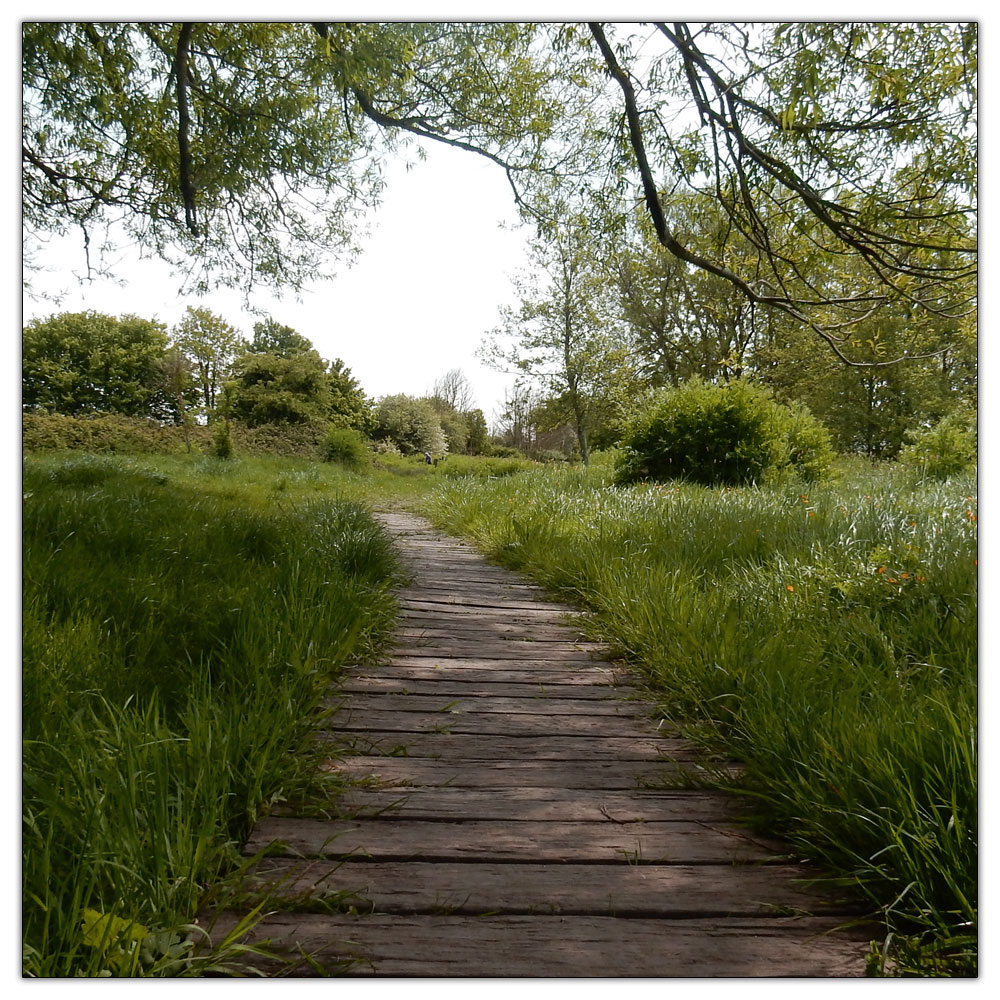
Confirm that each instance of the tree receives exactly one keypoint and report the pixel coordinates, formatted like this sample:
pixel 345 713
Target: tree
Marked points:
pixel 684 322
pixel 349 406
pixel 478 440
pixel 857 137
pixel 561 334
pixel 177 373
pixel 269 389
pixel 411 424
pixel 454 389
pixel 212 345
pixel 77 363
pixel 271 337
pixel 516 423
pixel 870 409
pixel 346 404
pixel 239 150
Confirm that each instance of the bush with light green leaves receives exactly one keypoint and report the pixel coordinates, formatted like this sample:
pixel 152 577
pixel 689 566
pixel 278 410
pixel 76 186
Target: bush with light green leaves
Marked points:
pixel 729 434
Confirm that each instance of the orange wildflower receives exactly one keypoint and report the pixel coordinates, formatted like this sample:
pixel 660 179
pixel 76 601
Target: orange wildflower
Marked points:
pixel 789 588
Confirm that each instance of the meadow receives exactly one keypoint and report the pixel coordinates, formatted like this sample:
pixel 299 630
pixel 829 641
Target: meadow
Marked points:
pixel 182 619
pixel 183 614
pixel 826 637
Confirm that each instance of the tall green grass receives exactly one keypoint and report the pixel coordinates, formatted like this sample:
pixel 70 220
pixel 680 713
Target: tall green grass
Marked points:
pixel 827 636
pixel 181 621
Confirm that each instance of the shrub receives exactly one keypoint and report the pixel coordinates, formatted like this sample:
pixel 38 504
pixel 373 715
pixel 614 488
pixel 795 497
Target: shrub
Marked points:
pixel 346 446
pixel 222 441
pixel 107 433
pixel 115 433
pixel 411 424
pixel 810 447
pixel 721 434
pixel 946 449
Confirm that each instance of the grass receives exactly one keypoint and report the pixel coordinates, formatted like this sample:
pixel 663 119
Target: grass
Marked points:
pixel 826 637
pixel 182 619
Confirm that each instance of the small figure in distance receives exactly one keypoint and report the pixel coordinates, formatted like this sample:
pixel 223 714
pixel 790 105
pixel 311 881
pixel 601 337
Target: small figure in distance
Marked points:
pixel 427 458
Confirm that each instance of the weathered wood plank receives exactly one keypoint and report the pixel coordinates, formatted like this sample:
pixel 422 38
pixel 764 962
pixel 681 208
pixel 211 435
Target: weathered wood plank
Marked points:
pixel 487 723
pixel 544 655
pixel 449 704
pixel 539 611
pixel 417 632
pixel 567 946
pixel 664 891
pixel 563 671
pixel 495 604
pixel 468 584
pixel 475 747
pixel 540 667
pixel 553 804
pixel 480 841
pixel 462 772
pixel 473 687
pixel 489 672
pixel 410 618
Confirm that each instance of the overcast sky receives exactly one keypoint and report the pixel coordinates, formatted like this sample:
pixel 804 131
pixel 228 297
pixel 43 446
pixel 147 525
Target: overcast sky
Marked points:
pixel 417 302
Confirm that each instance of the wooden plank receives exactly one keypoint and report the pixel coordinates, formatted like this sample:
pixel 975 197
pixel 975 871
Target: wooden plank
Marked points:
pixel 450 704
pixel 464 772
pixel 481 841
pixel 447 640
pixel 496 600
pixel 489 672
pixel 410 617
pixel 479 632
pixel 553 667
pixel 663 891
pixel 475 747
pixel 556 804
pixel 488 723
pixel 473 687
pixel 566 946
pixel 513 612
pixel 469 584
pixel 549 653
pixel 402 665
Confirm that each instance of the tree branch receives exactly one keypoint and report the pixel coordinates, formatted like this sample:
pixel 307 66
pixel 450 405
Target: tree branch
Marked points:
pixel 181 72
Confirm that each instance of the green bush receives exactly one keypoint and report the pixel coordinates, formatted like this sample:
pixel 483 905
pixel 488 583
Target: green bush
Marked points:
pixel 348 447
pixel 946 449
pixel 117 434
pixel 721 434
pixel 222 441
pixel 810 447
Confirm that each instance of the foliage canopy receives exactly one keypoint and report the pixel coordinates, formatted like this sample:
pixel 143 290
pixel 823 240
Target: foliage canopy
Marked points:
pixel 240 151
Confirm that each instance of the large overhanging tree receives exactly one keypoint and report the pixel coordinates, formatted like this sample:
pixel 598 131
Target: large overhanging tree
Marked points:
pixel 241 151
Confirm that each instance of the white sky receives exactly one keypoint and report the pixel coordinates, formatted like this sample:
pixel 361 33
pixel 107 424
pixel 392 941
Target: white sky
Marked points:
pixel 417 302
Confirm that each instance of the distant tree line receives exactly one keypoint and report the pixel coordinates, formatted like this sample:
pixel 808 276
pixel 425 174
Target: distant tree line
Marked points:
pixel 595 331
pixel 203 371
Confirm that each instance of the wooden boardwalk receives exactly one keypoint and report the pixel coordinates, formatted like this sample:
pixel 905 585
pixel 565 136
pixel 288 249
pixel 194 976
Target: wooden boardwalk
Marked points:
pixel 521 814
